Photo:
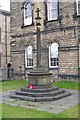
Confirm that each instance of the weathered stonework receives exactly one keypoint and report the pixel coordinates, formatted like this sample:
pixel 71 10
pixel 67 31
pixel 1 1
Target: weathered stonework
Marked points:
pixel 64 33
pixel 4 43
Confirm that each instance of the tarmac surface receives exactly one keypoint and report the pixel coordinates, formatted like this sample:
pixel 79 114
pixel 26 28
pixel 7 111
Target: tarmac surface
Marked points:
pixel 50 106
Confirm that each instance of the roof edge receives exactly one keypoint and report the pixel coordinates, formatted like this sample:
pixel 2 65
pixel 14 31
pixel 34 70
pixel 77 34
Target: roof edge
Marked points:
pixel 5 12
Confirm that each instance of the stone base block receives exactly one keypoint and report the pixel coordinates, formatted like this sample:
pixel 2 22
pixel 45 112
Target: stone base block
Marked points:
pixel 39 76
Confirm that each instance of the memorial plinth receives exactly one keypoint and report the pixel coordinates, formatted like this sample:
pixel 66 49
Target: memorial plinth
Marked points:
pixel 39 76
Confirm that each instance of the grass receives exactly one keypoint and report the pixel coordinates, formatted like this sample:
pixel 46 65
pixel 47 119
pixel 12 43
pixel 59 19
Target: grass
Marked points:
pixel 72 112
pixel 12 85
pixel 17 112
pixel 16 84
pixel 67 85
pixel 0 111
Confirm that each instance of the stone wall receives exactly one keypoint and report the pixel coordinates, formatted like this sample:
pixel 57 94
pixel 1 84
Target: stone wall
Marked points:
pixel 64 32
pixel 3 74
pixel 5 40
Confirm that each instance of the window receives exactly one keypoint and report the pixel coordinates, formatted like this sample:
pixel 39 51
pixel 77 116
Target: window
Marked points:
pixel 52 10
pixel 27 14
pixel 53 55
pixel 78 7
pixel 28 57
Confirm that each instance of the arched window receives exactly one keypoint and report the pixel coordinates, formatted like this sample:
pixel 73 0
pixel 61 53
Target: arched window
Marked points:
pixel 53 55
pixel 28 57
pixel 27 13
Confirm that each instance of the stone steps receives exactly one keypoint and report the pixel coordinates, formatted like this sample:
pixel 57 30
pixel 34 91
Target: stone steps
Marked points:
pixel 62 95
pixel 38 99
pixel 41 94
pixel 42 86
pixel 21 97
pixel 25 89
pixel 46 94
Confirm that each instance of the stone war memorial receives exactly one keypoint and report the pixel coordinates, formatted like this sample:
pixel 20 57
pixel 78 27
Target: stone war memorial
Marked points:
pixel 60 38
pixel 39 86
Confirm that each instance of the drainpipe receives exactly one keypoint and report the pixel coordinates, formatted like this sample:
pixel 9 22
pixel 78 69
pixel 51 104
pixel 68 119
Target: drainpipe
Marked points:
pixel 6 37
pixel 79 50
pixel 79 59
pixel 24 66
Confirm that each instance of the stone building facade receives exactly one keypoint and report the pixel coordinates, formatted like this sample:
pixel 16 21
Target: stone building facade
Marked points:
pixel 60 38
pixel 4 43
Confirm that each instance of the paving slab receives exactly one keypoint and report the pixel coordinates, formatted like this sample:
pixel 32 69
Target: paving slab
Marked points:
pixel 50 106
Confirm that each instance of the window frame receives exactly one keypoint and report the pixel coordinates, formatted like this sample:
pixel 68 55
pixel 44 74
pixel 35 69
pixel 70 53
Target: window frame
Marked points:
pixel 25 19
pixel 78 14
pixel 48 10
pixel 57 61
pixel 26 57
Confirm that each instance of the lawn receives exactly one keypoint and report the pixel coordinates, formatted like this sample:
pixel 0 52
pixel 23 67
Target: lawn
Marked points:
pixel 67 85
pixel 16 84
pixel 0 111
pixel 17 112
pixel 13 84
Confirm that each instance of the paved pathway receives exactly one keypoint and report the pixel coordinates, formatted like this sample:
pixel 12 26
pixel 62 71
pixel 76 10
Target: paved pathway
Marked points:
pixel 51 106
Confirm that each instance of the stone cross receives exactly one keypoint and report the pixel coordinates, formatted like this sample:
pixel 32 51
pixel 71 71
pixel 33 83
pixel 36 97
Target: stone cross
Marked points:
pixel 38 12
